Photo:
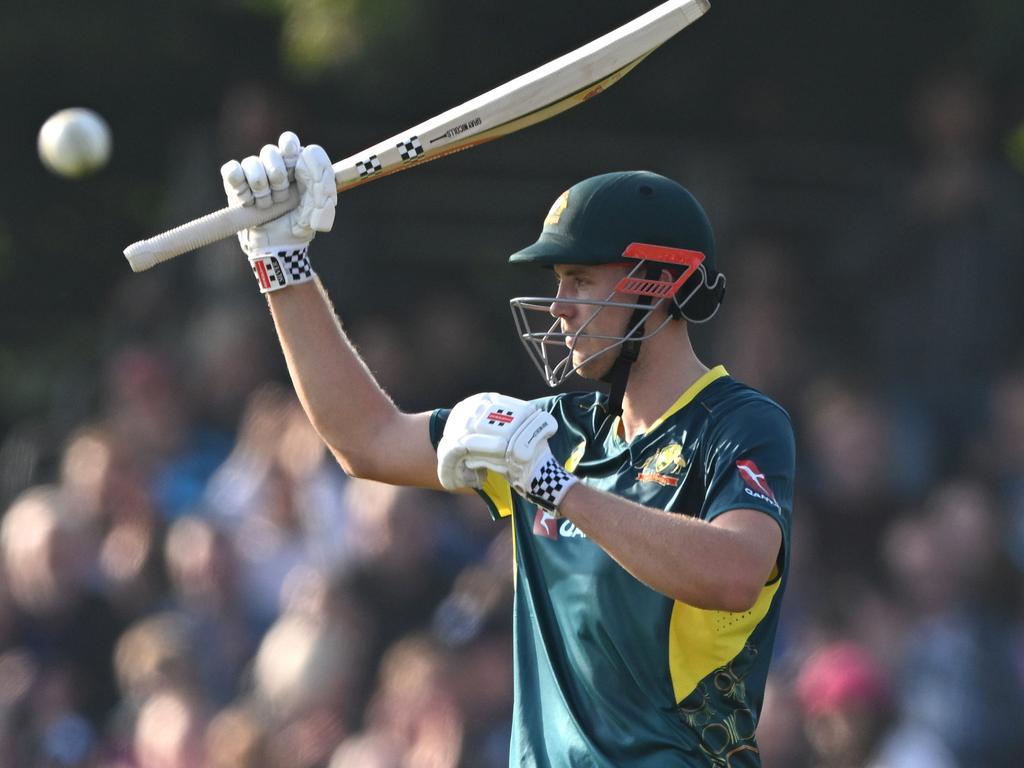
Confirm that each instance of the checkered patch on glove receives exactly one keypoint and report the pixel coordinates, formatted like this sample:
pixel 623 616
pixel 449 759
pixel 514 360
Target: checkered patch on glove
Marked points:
pixel 549 484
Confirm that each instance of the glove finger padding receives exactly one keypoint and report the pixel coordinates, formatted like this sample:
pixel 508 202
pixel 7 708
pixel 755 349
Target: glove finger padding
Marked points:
pixel 485 446
pixel 319 194
pixel 290 147
pixel 466 412
pixel 235 185
pixel 452 470
pixel 277 172
pixel 256 176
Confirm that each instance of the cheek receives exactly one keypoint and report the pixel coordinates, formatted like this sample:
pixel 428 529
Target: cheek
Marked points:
pixel 615 321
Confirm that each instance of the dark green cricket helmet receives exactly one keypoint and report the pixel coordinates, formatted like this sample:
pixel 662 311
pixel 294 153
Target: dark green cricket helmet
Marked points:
pixel 594 221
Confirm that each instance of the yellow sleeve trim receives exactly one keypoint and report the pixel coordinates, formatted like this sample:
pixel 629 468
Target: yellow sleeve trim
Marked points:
pixel 702 641
pixel 497 489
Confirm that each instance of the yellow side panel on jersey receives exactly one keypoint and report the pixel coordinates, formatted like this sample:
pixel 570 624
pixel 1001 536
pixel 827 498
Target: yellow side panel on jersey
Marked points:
pixel 497 489
pixel 701 641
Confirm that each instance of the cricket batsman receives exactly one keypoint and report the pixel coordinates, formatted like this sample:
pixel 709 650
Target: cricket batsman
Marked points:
pixel 651 523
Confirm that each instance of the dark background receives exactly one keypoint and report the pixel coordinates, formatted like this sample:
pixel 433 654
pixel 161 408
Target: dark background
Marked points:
pixel 806 102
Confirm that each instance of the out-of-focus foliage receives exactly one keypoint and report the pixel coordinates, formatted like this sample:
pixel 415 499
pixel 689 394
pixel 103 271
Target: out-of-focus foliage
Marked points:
pixel 318 36
pixel 1015 148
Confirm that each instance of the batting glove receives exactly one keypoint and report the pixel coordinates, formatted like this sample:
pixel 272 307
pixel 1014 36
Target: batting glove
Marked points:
pixel 278 250
pixel 505 435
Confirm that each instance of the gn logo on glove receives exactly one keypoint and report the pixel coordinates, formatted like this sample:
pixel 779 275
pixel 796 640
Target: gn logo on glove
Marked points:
pixel 266 277
pixel 499 417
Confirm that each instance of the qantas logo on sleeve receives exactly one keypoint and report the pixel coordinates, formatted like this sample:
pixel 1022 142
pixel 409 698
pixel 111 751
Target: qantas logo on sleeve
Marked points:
pixel 757 486
pixel 547 525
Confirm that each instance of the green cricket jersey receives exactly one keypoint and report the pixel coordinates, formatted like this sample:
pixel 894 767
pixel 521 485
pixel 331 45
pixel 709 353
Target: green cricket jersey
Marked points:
pixel 610 673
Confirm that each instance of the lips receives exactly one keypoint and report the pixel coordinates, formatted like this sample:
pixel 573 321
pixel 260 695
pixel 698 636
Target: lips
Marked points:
pixel 574 339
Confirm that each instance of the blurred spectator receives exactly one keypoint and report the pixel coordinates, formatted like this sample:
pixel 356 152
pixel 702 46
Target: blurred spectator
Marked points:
pixel 203 572
pixel 780 732
pixel 367 750
pixel 237 737
pixel 108 493
pixel 414 708
pixel 482 683
pixel 395 532
pixel 959 663
pixel 848 495
pixel 145 407
pixel 66 627
pixel 168 731
pixel 305 664
pixel 310 671
pixel 280 497
pixel 155 653
pixel 847 702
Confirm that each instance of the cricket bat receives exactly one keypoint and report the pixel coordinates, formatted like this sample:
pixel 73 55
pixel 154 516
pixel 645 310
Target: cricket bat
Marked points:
pixel 528 99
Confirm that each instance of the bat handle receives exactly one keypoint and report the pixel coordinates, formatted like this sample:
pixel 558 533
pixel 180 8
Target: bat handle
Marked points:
pixel 203 231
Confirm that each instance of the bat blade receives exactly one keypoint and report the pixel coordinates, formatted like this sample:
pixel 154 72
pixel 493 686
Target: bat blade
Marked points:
pixel 526 100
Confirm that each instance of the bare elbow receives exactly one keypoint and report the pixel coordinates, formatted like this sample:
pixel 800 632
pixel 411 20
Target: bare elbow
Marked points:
pixel 741 593
pixel 353 464
pixel 741 597
pixel 732 596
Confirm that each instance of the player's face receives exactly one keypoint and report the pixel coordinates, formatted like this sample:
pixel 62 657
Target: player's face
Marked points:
pixel 593 324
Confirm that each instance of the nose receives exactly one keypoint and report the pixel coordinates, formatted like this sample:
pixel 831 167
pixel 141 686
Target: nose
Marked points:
pixel 561 309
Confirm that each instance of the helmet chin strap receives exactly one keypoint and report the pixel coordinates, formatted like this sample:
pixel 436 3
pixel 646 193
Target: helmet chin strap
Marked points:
pixel 618 374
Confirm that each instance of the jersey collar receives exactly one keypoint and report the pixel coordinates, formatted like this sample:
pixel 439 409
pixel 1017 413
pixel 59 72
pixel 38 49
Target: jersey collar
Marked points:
pixel 684 399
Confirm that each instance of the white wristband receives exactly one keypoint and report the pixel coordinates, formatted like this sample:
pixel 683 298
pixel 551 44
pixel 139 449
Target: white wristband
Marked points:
pixel 277 268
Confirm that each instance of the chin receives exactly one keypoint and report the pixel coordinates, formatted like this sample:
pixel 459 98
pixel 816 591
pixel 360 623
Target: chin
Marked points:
pixel 597 368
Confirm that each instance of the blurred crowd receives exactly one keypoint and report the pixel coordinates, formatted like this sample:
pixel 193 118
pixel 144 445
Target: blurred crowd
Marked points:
pixel 190 581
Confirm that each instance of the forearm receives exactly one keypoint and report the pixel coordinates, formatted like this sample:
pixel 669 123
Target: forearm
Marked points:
pixel 342 399
pixel 693 561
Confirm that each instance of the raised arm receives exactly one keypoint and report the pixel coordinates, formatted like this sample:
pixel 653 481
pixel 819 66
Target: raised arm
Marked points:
pixel 357 420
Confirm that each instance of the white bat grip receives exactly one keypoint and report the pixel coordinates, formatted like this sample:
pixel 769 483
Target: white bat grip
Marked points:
pixel 203 231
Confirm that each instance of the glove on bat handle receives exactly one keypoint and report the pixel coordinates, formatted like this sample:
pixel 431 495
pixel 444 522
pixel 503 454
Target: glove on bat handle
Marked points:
pixel 203 231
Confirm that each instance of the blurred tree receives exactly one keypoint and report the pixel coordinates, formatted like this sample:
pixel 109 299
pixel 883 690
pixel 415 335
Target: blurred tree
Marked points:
pixel 320 36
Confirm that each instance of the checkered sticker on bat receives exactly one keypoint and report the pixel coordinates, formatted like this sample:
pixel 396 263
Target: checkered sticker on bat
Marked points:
pixel 410 148
pixel 369 166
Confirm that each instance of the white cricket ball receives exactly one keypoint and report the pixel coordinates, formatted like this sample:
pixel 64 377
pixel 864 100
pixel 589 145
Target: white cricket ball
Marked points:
pixel 74 142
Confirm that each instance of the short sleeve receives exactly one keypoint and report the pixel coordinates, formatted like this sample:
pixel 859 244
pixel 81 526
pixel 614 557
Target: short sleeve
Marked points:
pixel 751 463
